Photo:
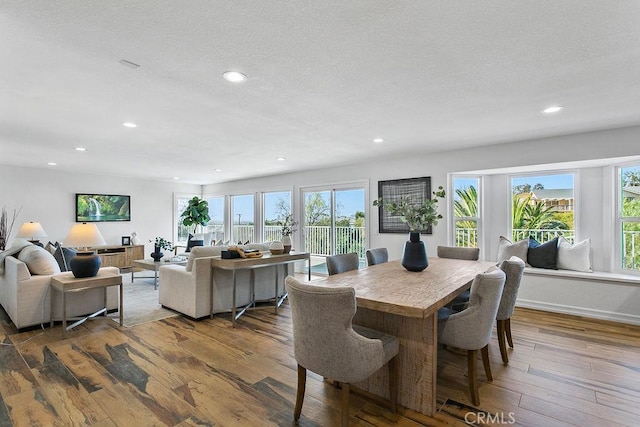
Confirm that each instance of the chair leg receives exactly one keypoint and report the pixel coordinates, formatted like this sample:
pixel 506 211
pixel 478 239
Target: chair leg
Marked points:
pixel 501 341
pixel 485 362
pixel 302 382
pixel 508 330
pixel 345 405
pixel 393 384
pixel 473 376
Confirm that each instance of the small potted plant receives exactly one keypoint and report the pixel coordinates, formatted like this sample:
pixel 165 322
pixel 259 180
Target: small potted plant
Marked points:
pixel 288 227
pixel 160 243
pixel 418 217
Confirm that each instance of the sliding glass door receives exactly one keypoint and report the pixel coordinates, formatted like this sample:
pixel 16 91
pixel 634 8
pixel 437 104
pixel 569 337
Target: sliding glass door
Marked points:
pixel 334 223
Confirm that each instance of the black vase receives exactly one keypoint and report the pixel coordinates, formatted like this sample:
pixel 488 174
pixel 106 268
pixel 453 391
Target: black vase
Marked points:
pixel 156 254
pixel 414 257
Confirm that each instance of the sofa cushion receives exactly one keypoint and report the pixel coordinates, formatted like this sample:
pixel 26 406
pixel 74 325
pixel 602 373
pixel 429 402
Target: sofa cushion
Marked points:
pixel 63 256
pixel 507 249
pixel 575 257
pixel 202 252
pixel 543 255
pixel 39 260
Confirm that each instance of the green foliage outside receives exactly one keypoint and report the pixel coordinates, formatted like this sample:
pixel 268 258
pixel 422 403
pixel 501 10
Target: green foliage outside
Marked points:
pixel 631 228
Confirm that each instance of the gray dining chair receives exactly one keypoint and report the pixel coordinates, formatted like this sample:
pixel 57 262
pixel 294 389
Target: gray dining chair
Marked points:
pixel 470 254
pixel 377 256
pixel 513 269
pixel 326 342
pixel 471 328
pixel 340 263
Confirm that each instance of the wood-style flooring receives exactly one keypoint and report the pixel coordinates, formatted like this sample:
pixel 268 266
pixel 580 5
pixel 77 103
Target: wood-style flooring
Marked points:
pixel 177 372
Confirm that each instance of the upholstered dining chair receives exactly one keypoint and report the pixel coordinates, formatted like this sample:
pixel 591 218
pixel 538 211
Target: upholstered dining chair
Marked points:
pixel 513 269
pixel 326 342
pixel 471 254
pixel 471 328
pixel 340 263
pixel 377 256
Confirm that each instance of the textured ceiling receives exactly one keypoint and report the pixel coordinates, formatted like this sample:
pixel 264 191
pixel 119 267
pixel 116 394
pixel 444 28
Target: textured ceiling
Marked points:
pixel 324 79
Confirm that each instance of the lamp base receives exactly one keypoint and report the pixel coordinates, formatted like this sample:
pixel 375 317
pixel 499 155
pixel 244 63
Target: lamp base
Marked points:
pixel 85 264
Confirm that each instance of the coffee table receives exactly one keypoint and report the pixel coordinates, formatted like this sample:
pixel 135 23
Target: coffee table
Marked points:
pixel 150 264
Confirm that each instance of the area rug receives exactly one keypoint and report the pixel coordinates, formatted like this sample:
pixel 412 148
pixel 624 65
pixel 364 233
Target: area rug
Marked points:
pixel 140 302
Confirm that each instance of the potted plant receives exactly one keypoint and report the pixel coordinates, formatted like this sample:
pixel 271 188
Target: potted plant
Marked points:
pixel 5 227
pixel 288 227
pixel 158 244
pixel 418 217
pixel 196 213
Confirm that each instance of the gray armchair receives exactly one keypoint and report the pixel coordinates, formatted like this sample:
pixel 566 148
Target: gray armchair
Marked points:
pixel 377 256
pixel 513 268
pixel 471 328
pixel 344 262
pixel 325 341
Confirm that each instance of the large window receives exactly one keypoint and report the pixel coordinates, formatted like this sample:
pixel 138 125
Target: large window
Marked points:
pixel 181 232
pixel 629 217
pixel 242 218
pixel 466 211
pixel 543 207
pixel 216 212
pixel 276 207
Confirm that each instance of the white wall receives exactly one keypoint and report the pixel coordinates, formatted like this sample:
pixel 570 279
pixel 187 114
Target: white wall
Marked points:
pixel 557 150
pixel 48 196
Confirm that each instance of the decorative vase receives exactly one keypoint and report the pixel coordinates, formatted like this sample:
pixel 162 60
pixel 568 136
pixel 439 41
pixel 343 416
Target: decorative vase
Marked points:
pixel 156 254
pixel 414 257
pixel 286 242
pixel 276 248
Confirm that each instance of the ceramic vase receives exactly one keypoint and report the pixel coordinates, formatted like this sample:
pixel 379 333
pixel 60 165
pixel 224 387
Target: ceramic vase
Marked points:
pixel 414 256
pixel 156 254
pixel 286 242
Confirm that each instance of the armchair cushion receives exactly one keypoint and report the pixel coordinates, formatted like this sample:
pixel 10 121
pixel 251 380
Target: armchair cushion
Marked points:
pixel 202 252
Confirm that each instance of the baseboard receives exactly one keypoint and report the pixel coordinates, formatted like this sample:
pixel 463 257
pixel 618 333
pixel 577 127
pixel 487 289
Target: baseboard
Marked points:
pixel 580 311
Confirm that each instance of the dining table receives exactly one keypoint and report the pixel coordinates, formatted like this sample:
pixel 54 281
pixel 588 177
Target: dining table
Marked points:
pixel 405 304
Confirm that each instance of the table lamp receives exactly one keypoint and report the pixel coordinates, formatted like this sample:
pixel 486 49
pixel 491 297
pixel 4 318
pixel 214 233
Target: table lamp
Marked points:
pixel 86 263
pixel 31 231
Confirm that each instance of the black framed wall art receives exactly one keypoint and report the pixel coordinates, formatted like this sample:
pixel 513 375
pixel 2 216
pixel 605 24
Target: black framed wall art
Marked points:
pixel 415 189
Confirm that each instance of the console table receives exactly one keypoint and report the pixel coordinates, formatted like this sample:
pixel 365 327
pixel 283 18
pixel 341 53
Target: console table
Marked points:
pixel 121 256
pixel 266 260
pixel 66 283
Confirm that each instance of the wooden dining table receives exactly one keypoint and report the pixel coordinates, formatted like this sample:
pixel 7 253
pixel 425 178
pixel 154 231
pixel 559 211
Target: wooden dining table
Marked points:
pixel 405 304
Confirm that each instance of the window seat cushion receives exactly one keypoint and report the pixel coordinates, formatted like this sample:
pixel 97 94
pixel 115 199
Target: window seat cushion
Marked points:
pixel 596 276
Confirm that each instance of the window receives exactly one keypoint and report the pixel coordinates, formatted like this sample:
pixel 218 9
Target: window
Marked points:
pixel 543 207
pixel 242 218
pixel 216 212
pixel 181 232
pixel 466 211
pixel 276 206
pixel 629 217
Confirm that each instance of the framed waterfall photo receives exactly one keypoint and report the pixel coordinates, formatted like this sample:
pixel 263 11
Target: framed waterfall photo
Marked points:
pixel 102 207
pixel 415 189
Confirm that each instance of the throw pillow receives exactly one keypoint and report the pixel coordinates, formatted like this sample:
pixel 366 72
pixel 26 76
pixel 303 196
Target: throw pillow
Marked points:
pixel 507 249
pixel 39 260
pixel 575 257
pixel 543 255
pixel 63 256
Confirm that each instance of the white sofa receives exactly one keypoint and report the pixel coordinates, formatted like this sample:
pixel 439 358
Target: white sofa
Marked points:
pixel 187 289
pixel 27 298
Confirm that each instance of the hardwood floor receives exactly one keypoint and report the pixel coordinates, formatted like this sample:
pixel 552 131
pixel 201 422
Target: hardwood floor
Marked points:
pixel 563 371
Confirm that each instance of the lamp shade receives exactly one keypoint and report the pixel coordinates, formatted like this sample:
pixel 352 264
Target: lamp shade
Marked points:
pixel 31 230
pixel 84 235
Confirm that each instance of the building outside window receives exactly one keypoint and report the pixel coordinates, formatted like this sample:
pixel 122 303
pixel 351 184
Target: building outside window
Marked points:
pixel 543 207
pixel 629 217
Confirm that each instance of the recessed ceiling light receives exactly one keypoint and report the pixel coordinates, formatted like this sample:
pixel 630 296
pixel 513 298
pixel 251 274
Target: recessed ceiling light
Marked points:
pixel 234 77
pixel 217 170
pixel 176 177
pixel 281 158
pixel 378 140
pixel 52 164
pixel 81 149
pixel 553 109
pixel 129 125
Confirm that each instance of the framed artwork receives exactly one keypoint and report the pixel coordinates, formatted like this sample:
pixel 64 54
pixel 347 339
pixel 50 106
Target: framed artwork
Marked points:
pixel 126 241
pixel 418 189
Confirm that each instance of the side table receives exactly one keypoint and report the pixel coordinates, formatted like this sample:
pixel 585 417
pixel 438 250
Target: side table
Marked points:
pixel 66 283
